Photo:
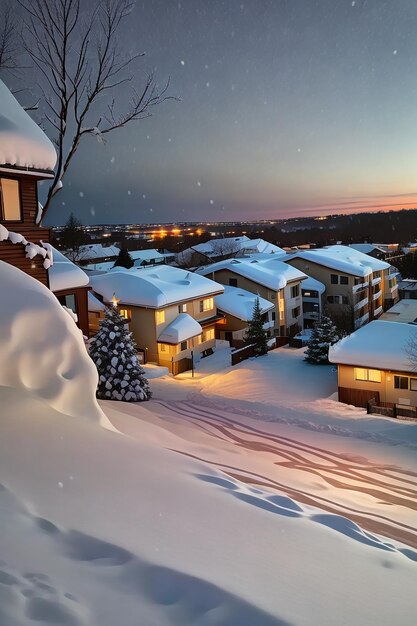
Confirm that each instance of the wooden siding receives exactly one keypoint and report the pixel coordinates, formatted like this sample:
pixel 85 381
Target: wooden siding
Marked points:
pixel 15 253
pixel 81 300
pixel 357 397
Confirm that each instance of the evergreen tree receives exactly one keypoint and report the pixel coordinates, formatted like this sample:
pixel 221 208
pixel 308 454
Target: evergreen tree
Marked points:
pixel 324 335
pixel 72 238
pixel 114 353
pixel 124 259
pixel 256 334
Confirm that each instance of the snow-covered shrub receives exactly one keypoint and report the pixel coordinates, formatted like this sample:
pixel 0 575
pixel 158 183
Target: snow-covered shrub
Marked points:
pixel 114 352
pixel 41 348
pixel 324 335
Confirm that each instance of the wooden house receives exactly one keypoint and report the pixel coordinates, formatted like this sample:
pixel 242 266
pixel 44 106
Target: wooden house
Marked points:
pixel 26 157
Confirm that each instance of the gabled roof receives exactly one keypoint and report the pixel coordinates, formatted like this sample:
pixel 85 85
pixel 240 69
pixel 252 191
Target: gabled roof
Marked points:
pixel 233 245
pixel 97 251
pixel 146 255
pixel 272 273
pixel 239 303
pixel 153 287
pixel 182 328
pixel 64 274
pixel 23 144
pixel 366 248
pixel 378 345
pixel 342 259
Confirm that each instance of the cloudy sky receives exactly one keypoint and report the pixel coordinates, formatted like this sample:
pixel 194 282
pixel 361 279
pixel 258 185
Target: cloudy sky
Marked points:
pixel 287 107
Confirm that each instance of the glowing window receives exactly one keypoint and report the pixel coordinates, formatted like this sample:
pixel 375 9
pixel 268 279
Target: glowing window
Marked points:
pixel 206 305
pixel 372 376
pixel 10 200
pixel 160 317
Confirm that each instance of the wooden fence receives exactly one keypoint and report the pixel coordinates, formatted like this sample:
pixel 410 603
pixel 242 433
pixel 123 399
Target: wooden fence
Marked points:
pixel 398 411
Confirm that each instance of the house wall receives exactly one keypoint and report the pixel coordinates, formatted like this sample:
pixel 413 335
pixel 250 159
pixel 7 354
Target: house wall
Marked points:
pixel 145 330
pixel 15 253
pixel 283 303
pixel 385 389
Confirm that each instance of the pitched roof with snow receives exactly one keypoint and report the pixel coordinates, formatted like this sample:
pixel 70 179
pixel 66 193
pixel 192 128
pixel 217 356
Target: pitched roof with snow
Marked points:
pixel 239 303
pixel 342 259
pixel 23 143
pixel 153 287
pixel 182 328
pixel 312 284
pixel 64 274
pixel 379 345
pixel 146 255
pixel 97 251
pixel 272 273
pixel 366 248
pixel 229 245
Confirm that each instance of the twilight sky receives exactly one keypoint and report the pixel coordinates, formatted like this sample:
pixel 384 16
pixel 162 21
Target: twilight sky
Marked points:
pixel 288 107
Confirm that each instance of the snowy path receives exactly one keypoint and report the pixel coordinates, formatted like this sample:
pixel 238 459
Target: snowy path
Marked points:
pixel 305 466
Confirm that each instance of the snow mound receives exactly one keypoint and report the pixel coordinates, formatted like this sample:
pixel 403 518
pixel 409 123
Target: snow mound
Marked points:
pixel 42 349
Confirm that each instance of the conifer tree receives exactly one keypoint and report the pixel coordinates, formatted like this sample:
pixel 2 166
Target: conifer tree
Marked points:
pixel 124 259
pixel 114 353
pixel 324 335
pixel 256 334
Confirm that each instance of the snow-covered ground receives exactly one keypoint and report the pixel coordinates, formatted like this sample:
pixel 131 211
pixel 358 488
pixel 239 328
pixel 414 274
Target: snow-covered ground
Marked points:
pixel 234 498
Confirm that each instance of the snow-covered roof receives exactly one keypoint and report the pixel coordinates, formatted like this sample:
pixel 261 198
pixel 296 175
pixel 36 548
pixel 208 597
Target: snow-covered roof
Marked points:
pixel 64 274
pixel 408 284
pixel 342 259
pixel 182 328
pixel 379 345
pixel 404 311
pixel 229 245
pixel 94 304
pixel 366 248
pixel 239 303
pixel 312 284
pixel 271 273
pixel 23 143
pixel 146 255
pixel 97 251
pixel 153 287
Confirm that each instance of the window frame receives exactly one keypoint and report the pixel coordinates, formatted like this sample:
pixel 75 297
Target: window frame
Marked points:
pixel 397 379
pixel 332 277
pixel 366 375
pixel 344 280
pixel 19 186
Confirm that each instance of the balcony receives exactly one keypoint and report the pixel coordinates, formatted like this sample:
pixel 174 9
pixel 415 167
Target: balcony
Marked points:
pixel 268 325
pixel 361 320
pixel 377 295
pixel 360 286
pixel 376 280
pixel 361 304
pixel 378 311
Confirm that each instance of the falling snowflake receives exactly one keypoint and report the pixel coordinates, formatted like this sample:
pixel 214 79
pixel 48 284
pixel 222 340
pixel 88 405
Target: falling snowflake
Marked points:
pixel 394 52
pixel 144 196
pixel 129 193
pixel 211 201
pixel 198 184
pixel 182 62
pixel 112 160
pixel 81 194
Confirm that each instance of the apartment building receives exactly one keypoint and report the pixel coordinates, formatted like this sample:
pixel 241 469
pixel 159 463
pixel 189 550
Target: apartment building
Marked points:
pixel 171 312
pixel 270 279
pixel 358 287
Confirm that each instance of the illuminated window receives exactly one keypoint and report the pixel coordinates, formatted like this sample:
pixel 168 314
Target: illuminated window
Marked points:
pixel 163 347
pixel 372 376
pixel 208 334
pixel 413 384
pixel 182 308
pixel 125 313
pixel 10 200
pixel 206 305
pixel 160 317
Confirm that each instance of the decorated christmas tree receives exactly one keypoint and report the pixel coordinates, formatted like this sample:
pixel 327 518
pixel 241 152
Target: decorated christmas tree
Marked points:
pixel 324 335
pixel 114 352
pixel 256 334
pixel 124 259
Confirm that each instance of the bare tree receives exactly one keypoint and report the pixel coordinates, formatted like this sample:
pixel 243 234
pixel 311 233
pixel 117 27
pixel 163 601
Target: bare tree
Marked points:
pixel 75 46
pixel 226 248
pixel 9 43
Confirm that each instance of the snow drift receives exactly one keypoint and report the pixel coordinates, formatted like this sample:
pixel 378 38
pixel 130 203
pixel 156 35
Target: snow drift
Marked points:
pixel 42 349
